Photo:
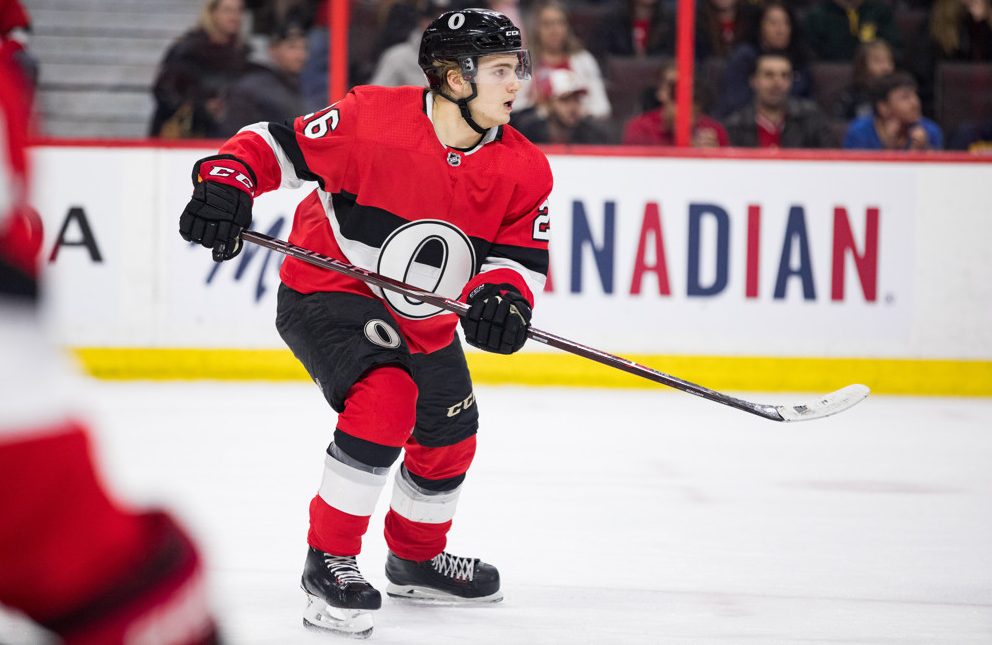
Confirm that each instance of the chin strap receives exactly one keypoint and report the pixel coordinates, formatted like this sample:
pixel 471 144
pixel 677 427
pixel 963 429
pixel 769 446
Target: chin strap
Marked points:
pixel 463 108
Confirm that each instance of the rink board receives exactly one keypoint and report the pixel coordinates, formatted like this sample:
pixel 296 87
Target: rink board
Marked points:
pixel 754 273
pixel 890 376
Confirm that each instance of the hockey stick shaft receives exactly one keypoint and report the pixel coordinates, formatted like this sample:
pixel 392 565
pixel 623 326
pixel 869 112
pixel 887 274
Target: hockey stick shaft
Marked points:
pixel 772 412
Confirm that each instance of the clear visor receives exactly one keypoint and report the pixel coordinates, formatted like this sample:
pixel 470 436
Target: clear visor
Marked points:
pixel 496 68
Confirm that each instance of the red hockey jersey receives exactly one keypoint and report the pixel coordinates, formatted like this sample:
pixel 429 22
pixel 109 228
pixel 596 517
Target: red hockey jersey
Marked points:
pixel 393 199
pixel 20 228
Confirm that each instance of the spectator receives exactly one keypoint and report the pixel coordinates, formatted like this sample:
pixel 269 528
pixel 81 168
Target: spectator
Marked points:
pixel 509 8
pixel 897 122
pixel 313 77
pixel 872 61
pixel 835 28
pixel 268 16
pixel 399 64
pixel 197 71
pixel 973 136
pixel 772 28
pixel 641 28
pixel 962 30
pixel 657 127
pixel 395 25
pixel 270 92
pixel 553 46
pixel 561 117
pixel 956 30
pixel 774 119
pixel 719 27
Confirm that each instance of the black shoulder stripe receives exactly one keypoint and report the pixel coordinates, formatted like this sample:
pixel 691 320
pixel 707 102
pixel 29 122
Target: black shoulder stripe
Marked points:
pixel 371 226
pixel 366 224
pixel 535 260
pixel 285 136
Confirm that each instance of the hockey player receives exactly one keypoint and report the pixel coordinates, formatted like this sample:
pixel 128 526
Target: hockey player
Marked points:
pixel 71 559
pixel 429 186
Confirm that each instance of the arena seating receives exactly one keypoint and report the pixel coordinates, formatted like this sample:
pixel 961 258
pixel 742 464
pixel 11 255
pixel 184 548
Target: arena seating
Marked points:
pixel 98 60
pixel 627 79
pixel 963 93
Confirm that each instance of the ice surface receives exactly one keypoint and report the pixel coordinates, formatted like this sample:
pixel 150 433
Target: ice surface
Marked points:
pixel 613 516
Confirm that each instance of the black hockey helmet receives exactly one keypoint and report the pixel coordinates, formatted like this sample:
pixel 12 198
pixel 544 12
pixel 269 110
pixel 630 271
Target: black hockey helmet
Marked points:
pixel 463 36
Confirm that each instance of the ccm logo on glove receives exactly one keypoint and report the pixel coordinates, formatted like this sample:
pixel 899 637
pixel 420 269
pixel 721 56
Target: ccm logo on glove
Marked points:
pixel 220 209
pixel 223 172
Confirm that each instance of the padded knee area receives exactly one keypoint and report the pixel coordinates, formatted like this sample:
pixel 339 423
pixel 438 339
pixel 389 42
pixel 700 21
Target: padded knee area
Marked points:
pixel 442 468
pixel 380 408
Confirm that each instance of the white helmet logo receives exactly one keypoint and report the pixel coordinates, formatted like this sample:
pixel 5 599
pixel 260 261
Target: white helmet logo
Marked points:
pixel 456 21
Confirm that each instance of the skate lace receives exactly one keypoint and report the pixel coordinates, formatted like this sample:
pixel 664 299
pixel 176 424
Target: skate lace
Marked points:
pixel 454 566
pixel 344 569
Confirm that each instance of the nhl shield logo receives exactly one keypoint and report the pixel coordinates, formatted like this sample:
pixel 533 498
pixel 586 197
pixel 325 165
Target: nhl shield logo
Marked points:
pixel 454 159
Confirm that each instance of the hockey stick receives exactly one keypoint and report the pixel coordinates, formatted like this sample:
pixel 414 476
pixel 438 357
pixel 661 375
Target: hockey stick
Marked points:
pixel 826 405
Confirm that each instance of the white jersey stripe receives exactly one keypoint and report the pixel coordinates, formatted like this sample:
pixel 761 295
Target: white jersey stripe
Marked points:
pixel 289 178
pixel 534 280
pixel 367 257
pixel 359 254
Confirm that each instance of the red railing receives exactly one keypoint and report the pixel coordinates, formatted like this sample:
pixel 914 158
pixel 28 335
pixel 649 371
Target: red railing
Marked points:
pixel 757 154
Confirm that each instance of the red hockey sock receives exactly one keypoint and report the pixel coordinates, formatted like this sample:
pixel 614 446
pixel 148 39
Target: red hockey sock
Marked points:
pixel 334 531
pixel 418 521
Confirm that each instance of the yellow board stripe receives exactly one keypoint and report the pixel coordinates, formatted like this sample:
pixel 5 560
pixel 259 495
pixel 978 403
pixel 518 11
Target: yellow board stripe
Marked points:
pixel 725 373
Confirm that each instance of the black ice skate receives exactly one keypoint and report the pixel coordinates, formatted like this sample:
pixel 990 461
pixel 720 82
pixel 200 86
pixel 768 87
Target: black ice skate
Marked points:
pixel 446 578
pixel 338 597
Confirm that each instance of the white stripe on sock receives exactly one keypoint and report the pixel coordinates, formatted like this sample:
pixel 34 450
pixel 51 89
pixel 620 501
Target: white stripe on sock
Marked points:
pixel 349 489
pixel 418 505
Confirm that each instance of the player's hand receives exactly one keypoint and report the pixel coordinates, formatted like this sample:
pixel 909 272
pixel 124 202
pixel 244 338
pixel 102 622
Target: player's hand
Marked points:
pixel 220 209
pixel 497 319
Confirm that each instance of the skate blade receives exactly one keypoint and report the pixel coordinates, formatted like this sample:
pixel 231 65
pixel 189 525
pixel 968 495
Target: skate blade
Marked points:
pixel 428 596
pixel 355 623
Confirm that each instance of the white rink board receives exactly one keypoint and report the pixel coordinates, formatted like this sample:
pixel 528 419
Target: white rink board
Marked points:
pixel 930 270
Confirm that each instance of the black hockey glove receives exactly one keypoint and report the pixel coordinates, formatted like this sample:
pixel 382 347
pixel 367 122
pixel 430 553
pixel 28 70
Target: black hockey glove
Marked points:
pixel 497 318
pixel 223 190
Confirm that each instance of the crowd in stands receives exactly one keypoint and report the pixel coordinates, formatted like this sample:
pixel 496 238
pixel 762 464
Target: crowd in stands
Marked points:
pixel 861 74
pixel 209 85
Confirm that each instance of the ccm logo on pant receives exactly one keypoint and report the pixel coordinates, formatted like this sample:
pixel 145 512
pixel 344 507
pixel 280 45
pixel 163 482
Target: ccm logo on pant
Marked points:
pixel 462 405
